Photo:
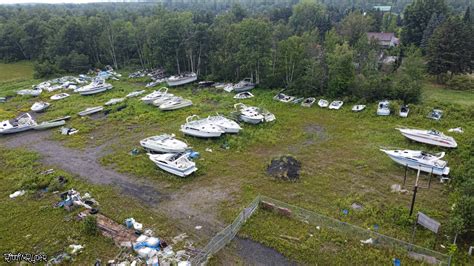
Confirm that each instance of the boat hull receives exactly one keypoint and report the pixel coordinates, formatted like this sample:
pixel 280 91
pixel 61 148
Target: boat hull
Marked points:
pixel 251 120
pixel 47 125
pixel 413 164
pixel 91 92
pixel 165 107
pixel 201 134
pixel 430 141
pixel 175 83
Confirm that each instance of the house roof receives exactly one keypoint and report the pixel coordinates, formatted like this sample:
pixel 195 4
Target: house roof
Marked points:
pixel 381 36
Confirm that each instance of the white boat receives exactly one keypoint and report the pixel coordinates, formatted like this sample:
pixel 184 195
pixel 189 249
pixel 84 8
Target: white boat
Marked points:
pixel 174 163
pixel 181 79
pixel 164 143
pixel 243 95
pixel 114 101
pixel 336 105
pixel 94 87
pixel 229 87
pixel 432 137
pixel 162 99
pixel 308 102
pixel 174 103
pixel 30 92
pixel 253 115
pixel 226 124
pixel 244 85
pixel 202 128
pixel 383 108
pixel 54 87
pixel 21 123
pixel 149 98
pixel 323 103
pixel 429 163
pixel 404 110
pixel 283 98
pixel 135 93
pixel 3 99
pixel 435 114
pixel 39 106
pixel 49 124
pixel 59 96
pixel 91 110
pixel 358 108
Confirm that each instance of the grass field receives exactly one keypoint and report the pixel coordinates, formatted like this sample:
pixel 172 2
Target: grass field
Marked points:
pixel 341 163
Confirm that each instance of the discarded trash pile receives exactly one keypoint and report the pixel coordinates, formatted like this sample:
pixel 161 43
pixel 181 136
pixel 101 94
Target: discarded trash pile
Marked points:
pixel 72 199
pixel 285 168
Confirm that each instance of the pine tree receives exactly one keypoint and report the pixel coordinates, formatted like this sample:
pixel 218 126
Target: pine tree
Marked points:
pixel 451 48
pixel 435 21
pixel 467 15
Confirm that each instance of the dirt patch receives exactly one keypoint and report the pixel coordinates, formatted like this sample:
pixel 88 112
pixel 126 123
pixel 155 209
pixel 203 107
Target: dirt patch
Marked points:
pixel 316 132
pixel 285 168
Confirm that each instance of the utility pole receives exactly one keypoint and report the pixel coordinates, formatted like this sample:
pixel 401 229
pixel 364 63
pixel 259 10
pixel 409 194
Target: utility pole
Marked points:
pixel 415 189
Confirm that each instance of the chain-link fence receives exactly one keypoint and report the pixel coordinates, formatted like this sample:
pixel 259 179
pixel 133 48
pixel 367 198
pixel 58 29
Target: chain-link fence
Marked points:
pixel 310 217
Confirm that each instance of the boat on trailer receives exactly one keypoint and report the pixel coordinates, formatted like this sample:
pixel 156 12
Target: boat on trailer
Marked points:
pixel 165 143
pixel 174 163
pixel 425 162
pixel 432 137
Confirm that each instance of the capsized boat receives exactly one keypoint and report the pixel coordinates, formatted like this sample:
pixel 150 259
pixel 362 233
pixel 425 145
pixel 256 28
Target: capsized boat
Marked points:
pixel 336 105
pixel 174 163
pixel 435 114
pixel 323 103
pixel 164 143
pixel 39 106
pixel 96 86
pixel 226 124
pixel 429 163
pixel 49 124
pixel 135 93
pixel 202 128
pixel 91 110
pixel 114 101
pixel 358 108
pixel 244 85
pixel 308 102
pixel 59 96
pixel 183 79
pixel 432 137
pixel 404 110
pixel 21 123
pixel 283 98
pixel 149 98
pixel 243 95
pixel 174 103
pixel 30 92
pixel 383 108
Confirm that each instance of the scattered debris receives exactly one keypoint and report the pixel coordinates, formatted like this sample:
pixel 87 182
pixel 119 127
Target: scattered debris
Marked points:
pixel 356 206
pixel 75 249
pixel 398 188
pixel 435 114
pixel 369 241
pixel 285 168
pixel 17 194
pixel 198 227
pixel 457 130
pixel 208 149
pixel 345 212
pixel 68 131
pixel 131 223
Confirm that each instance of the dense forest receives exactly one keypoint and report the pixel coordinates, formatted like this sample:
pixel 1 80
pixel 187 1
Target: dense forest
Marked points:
pixel 309 47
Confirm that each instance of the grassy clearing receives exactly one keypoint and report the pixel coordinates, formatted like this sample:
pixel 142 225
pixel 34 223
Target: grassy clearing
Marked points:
pixel 438 94
pixel 338 150
pixel 16 72
pixel 32 224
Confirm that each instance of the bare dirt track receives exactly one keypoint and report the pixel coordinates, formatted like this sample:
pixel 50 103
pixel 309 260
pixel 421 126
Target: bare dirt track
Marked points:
pixel 189 207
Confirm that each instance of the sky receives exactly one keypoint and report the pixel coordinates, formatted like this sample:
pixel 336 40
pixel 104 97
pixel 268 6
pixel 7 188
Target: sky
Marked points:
pixel 47 1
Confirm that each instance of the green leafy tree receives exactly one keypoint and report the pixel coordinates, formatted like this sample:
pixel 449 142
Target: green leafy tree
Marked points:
pixel 309 15
pixel 435 21
pixel 354 26
pixel 341 70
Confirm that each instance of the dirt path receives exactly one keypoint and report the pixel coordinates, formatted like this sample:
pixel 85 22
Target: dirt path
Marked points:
pixel 190 206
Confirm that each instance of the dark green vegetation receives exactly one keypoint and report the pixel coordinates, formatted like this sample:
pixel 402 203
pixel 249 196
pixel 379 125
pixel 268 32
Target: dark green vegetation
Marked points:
pixel 308 48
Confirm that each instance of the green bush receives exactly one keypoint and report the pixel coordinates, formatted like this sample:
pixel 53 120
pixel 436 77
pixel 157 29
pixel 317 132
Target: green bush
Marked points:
pixel 90 225
pixel 461 83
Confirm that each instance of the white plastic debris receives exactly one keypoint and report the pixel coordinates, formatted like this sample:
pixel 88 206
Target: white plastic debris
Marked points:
pixel 75 248
pixel 17 194
pixel 398 188
pixel 367 241
pixel 456 130
pixel 184 263
pixel 198 227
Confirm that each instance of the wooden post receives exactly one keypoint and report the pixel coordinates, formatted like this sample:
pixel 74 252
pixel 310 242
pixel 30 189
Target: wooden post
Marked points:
pixel 415 189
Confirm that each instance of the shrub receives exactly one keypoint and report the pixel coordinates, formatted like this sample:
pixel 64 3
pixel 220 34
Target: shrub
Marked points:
pixel 461 83
pixel 90 225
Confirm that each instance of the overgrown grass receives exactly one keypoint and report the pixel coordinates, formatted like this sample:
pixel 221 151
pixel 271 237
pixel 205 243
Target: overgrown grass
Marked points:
pixel 339 151
pixel 16 72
